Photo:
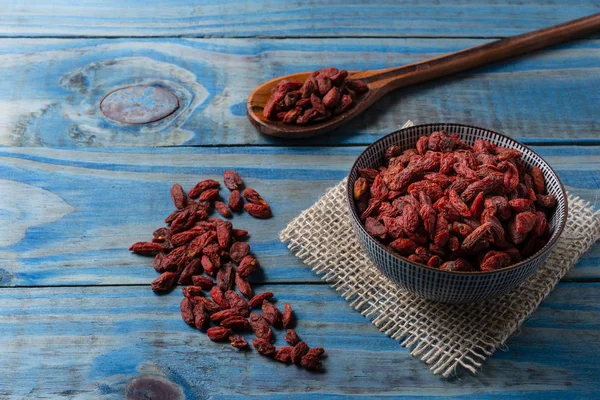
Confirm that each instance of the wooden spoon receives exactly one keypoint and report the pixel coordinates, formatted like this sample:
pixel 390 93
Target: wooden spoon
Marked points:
pixel 383 81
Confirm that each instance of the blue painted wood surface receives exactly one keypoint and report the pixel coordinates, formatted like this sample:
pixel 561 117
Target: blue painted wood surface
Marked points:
pixel 77 318
pixel 94 340
pixel 281 18
pixel 103 199
pixel 548 96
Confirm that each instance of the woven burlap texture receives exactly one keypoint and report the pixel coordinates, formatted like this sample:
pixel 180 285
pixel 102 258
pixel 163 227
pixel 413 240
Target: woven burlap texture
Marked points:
pixel 444 336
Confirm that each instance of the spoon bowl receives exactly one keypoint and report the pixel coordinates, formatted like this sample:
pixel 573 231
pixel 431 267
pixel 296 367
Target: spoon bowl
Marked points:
pixel 384 80
pixel 259 97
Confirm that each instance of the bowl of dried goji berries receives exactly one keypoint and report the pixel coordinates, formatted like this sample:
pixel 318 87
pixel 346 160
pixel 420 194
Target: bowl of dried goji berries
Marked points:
pixel 455 213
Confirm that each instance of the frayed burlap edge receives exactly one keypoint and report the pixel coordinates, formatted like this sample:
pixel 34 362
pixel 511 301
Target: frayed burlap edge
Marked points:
pixel 444 336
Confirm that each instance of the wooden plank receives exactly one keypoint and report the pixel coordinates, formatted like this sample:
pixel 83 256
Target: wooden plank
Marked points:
pixel 292 18
pixel 69 215
pixel 51 89
pixel 91 343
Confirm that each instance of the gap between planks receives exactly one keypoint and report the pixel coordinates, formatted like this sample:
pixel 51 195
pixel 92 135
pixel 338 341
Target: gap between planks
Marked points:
pixel 283 283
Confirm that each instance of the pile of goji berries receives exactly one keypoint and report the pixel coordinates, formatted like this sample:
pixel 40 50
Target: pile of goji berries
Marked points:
pixel 194 248
pixel 325 93
pixel 456 207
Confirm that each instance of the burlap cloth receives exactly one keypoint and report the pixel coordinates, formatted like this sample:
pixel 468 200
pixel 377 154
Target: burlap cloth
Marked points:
pixel 444 336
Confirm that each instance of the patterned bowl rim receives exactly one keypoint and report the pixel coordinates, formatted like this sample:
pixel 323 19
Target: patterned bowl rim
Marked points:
pixel 547 247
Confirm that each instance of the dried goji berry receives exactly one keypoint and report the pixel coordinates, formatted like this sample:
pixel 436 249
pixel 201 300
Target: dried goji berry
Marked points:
pixel 263 346
pixel 218 333
pixel 257 300
pixel 178 196
pixel 271 313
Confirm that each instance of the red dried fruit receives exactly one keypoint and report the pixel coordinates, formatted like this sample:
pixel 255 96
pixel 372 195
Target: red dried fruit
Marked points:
pixel 498 206
pixel 225 277
pixel 284 354
pixel 238 251
pixel 288 316
pixel 247 266
pixel 475 236
pixel 520 205
pixel 217 295
pixel 238 341
pixel 441 231
pixel 258 211
pixel 332 98
pixel 456 265
pixel 446 209
pixel 511 176
pixel 546 201
pixel 461 229
pixel 207 265
pixel 524 222
pixel 485 185
pixel 147 248
pixel 261 327
pixel 494 260
pixel 324 85
pixel 315 351
pixel 222 209
pixel 209 306
pixel 164 282
pixel 434 261
pixel 236 302
pixel 263 346
pixel 453 243
pixel 403 246
pixel 428 215
pixel 311 362
pixel 224 234
pixel 271 313
pixel 235 200
pixel 374 227
pixel 360 187
pixel 218 333
pixel 539 185
pixel 203 186
pixel 298 352
pixel 409 218
pixel 244 287
pixel 199 316
pixel 236 323
pixel 191 291
pixel 257 300
pixel 194 267
pixel 372 208
pixel 158 262
pixel 187 311
pixel 232 179
pixel 178 196
pixel 431 189
pixel 368 174
pixel 357 85
pixel 196 245
pixel 458 204
pixel 541 226
pixel 209 194
pixel 477 205
pixel 291 337
pixel 204 282
pixel 239 233
pixel 378 189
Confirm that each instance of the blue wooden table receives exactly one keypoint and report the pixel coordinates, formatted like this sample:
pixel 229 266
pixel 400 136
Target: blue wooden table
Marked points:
pixel 77 317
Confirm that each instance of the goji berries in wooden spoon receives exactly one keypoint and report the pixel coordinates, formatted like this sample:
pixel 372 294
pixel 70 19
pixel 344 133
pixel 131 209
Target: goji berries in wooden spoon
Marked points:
pixel 380 82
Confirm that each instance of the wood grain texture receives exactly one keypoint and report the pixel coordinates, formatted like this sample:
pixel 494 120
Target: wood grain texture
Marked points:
pixel 234 18
pixel 105 201
pixel 80 343
pixel 51 89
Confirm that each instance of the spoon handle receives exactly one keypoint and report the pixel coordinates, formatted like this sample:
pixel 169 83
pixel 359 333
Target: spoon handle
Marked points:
pixel 384 80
